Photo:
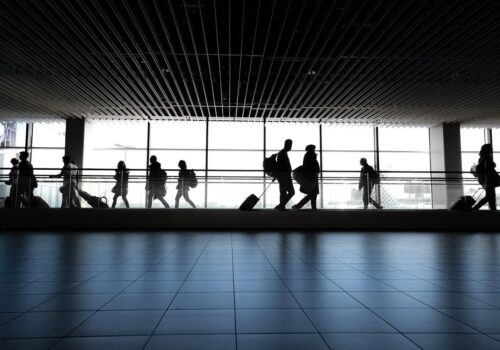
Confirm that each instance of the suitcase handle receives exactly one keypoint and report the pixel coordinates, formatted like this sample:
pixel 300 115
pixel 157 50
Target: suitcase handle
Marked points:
pixel 267 188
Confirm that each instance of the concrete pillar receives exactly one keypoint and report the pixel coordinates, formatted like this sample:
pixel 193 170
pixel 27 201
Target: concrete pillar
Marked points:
pixel 75 135
pixel 446 156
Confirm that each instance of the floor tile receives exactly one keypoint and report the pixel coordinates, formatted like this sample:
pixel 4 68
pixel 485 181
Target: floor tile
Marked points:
pixel 196 301
pixel 444 300
pixel 387 300
pixel 266 300
pixel 415 286
pixel 348 320
pixel 43 324
pixel 110 323
pixel 329 300
pixel 368 341
pixel 483 320
pixel 272 321
pixel 102 343
pixel 100 287
pixel 153 287
pixel 492 299
pixel 280 342
pixel 454 341
pixel 197 322
pixel 75 302
pixel 422 321
pixel 21 303
pixel 192 342
pixel 260 286
pixel 207 286
pixel 28 344
pixel 364 285
pixel 140 301
pixel 315 285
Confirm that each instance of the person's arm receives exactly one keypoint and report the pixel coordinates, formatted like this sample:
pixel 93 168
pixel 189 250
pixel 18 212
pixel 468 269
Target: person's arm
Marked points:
pixel 361 179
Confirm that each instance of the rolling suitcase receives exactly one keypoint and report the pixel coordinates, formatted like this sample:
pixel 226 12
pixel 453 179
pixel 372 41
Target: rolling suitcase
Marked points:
pixel 250 202
pixel 465 203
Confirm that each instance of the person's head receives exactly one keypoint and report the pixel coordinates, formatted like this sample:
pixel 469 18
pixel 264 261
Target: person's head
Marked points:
pixel 23 155
pixel 288 144
pixel 121 165
pixel 310 148
pixel 363 161
pixel 66 159
pixel 486 150
pixel 182 164
pixel 152 159
pixel 14 161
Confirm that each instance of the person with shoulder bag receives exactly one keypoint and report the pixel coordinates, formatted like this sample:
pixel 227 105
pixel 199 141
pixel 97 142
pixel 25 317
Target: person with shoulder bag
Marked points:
pixel 487 177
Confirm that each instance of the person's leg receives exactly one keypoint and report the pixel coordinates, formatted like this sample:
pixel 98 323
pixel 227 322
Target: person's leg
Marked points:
pixel 314 198
pixel 115 198
pixel 289 192
pixel 125 200
pixel 480 203
pixel 282 194
pixel 74 197
pixel 371 200
pixel 149 202
pixel 177 198
pixel 492 198
pixel 302 202
pixel 164 202
pixel 365 197
pixel 186 197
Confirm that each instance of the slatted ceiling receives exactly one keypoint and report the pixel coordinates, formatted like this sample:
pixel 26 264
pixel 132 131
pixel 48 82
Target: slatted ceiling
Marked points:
pixel 386 62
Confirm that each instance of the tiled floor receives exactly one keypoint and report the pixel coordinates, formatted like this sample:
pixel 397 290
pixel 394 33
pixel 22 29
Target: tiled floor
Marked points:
pixel 249 291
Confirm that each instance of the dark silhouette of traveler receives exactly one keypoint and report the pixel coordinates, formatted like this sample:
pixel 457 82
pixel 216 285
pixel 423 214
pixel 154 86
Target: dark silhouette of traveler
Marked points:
pixel 13 183
pixel 284 176
pixel 487 177
pixel 27 181
pixel 157 179
pixel 183 185
pixel 121 186
pixel 69 174
pixel 367 180
pixel 311 170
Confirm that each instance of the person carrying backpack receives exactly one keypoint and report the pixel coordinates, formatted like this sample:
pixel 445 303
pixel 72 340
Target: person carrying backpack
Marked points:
pixel 487 177
pixel 368 177
pixel 156 182
pixel 310 168
pixel 186 179
pixel 283 174
pixel 121 186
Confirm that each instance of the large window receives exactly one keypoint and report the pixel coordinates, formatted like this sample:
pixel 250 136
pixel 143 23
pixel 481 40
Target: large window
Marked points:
pixel 174 141
pixel 471 141
pixel 343 147
pixel 48 144
pixel 238 147
pixel 404 154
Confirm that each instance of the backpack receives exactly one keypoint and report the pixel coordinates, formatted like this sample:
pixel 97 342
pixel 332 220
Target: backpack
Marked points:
pixel 270 165
pixel 163 177
pixel 191 179
pixel 375 177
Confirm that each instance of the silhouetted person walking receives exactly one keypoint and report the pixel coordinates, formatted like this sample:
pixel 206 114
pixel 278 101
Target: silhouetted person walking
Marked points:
pixel 69 173
pixel 121 186
pixel 367 180
pixel 284 175
pixel 13 183
pixel 27 181
pixel 487 177
pixel 183 185
pixel 157 179
pixel 310 167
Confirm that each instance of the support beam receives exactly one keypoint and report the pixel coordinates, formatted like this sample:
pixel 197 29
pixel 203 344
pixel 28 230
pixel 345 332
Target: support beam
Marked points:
pixel 446 157
pixel 75 135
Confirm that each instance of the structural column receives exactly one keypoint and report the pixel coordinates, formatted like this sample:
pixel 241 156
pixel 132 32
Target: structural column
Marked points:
pixel 75 134
pixel 446 164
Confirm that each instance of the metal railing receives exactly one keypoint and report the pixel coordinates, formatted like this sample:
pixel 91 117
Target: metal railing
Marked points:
pixel 220 188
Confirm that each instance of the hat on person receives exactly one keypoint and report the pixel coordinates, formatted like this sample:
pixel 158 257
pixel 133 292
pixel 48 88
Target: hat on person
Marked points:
pixel 310 148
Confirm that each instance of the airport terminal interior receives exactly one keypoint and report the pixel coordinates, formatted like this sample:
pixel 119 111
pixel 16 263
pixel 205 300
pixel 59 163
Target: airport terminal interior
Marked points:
pixel 254 174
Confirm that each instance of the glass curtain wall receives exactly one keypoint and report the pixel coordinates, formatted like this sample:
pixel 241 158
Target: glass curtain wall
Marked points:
pixel 12 142
pixel 471 140
pixel 173 141
pixel 343 147
pixel 404 150
pixel 108 142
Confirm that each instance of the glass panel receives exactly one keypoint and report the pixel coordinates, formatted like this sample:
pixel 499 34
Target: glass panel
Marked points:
pixel 471 139
pixel 106 143
pixel 404 161
pixel 12 134
pixel 49 134
pixel 404 139
pixel 178 135
pixel 347 138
